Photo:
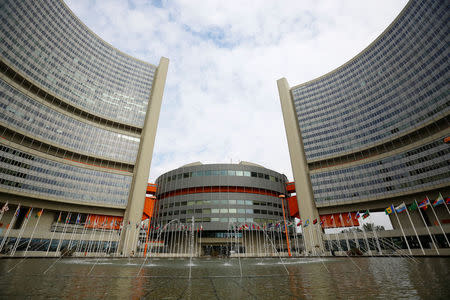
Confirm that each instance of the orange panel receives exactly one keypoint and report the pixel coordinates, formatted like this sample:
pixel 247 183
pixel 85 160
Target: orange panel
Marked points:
pixel 149 207
pixel 290 187
pixel 103 222
pixel 151 188
pixel 293 206
pixel 339 220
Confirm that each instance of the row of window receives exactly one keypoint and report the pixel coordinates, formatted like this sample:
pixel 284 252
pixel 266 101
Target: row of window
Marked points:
pixel 383 191
pixel 45 177
pixel 23 113
pixel 47 43
pixel 207 211
pixel 227 221
pixel 185 175
pixel 396 162
pixel 164 205
pixel 424 165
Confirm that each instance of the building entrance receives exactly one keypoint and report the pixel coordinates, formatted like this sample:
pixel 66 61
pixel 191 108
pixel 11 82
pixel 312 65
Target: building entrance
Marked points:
pixel 216 250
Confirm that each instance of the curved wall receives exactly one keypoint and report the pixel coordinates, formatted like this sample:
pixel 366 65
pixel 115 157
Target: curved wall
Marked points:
pixel 374 127
pixel 218 195
pixel 49 44
pixel 72 109
pixel 397 84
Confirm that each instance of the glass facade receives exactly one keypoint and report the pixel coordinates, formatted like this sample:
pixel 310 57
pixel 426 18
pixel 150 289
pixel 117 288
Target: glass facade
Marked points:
pixel 418 168
pixel 394 94
pixel 397 84
pixel 24 172
pixel 49 45
pixel 37 120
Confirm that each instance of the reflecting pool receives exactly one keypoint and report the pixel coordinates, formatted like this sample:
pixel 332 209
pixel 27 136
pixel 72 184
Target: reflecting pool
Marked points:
pixel 267 278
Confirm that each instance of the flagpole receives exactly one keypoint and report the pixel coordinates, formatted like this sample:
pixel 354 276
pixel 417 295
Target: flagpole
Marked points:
pixel 401 227
pixel 376 235
pixel 415 231
pixel 81 241
pixel 119 233
pixel 345 233
pixel 330 244
pixel 22 229
pixel 448 244
pixel 354 232
pixel 13 220
pixel 73 232
pixel 53 234
pixel 444 204
pixel 431 237
pixel 367 240
pixel 34 229
pixel 336 234
pixel 100 239
pixel 61 239
pixel 91 236
pixel 4 208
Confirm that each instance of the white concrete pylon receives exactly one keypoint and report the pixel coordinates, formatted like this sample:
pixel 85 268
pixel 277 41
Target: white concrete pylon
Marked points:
pixel 300 170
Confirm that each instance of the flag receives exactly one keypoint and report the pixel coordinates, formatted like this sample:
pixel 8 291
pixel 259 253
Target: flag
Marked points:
pixel 18 212
pixel 299 223
pixel 78 219
pixel 413 206
pixel 424 204
pixel 5 207
pixel 321 222
pixel 366 214
pixel 439 200
pixel 349 217
pixel 315 221
pixel 358 215
pixel 39 213
pixel 389 210
pixel 447 200
pixel 28 213
pixel 401 208
pixel 59 218
pixel 306 223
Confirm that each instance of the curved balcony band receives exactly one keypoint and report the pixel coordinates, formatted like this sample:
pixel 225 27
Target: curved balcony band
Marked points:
pixel 33 175
pixel 419 169
pixel 25 114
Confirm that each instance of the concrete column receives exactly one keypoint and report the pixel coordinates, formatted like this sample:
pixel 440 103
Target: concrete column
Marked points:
pixel 305 198
pixel 136 199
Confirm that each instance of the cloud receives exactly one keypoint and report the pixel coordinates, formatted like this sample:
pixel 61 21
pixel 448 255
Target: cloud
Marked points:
pixel 221 101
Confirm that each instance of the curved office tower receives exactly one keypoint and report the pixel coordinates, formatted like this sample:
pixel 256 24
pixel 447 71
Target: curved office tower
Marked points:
pixel 77 121
pixel 220 199
pixel 371 132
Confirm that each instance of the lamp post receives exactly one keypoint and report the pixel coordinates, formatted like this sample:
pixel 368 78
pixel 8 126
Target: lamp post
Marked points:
pixel 281 196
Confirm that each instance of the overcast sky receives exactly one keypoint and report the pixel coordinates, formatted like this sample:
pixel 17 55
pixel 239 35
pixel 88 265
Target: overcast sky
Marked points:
pixel 221 101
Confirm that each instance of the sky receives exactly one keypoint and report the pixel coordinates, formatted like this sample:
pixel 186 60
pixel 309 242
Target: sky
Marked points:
pixel 221 101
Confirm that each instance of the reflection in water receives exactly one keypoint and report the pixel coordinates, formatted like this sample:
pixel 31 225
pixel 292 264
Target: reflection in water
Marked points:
pixel 382 277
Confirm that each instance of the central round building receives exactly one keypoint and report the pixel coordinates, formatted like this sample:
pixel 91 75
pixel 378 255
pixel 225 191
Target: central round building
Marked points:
pixel 217 200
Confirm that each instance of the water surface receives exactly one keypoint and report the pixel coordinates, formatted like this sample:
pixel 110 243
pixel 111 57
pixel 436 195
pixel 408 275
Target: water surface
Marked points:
pixel 299 278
